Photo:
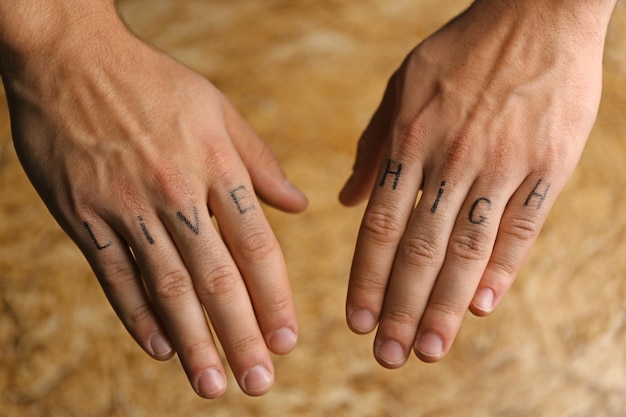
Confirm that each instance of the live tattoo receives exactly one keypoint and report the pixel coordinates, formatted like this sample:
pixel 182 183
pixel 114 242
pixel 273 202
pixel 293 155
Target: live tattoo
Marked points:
pixel 93 238
pixel 396 173
pixel 534 193
pixel 433 209
pixel 242 199
pixel 144 229
pixel 194 227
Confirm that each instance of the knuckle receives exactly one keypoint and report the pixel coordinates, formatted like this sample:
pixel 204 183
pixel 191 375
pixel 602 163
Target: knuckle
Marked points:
pixel 173 286
pixel 403 315
pixel 446 309
pixel 275 304
pixel 368 283
pixel 245 344
pixel 381 225
pixel 502 269
pixel 140 315
pixel 460 149
pixel 221 165
pixel 519 228
pixel 195 351
pixel 117 277
pixel 218 282
pixel 419 251
pixel 470 247
pixel 411 136
pixel 257 245
pixel 266 156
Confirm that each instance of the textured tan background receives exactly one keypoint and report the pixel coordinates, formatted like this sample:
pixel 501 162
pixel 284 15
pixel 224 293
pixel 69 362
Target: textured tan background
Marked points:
pixel 307 74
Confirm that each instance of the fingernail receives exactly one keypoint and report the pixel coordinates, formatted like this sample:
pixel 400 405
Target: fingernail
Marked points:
pixel 257 380
pixel 363 321
pixel 430 344
pixel 483 299
pixel 282 340
pixel 294 189
pixel 391 353
pixel 210 383
pixel 160 345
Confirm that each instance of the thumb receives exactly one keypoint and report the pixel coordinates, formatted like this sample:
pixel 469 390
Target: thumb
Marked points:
pixel 269 180
pixel 369 149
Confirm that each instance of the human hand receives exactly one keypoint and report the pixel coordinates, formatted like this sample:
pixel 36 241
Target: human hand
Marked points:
pixel 481 125
pixel 130 150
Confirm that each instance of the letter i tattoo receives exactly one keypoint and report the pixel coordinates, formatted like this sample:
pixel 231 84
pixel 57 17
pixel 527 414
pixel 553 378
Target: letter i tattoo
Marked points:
pixel 144 229
pixel 433 209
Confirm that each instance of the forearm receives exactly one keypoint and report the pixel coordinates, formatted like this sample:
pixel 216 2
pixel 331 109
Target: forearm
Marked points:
pixel 584 18
pixel 36 31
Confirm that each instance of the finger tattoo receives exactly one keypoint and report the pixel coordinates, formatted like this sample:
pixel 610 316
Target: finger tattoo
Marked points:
pixel 396 173
pixel 534 193
pixel 194 227
pixel 479 219
pixel 93 238
pixel 243 200
pixel 433 209
pixel 145 231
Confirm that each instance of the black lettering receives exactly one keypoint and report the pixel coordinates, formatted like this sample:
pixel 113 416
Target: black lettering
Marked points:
pixel 433 209
pixel 194 227
pixel 144 229
pixel 93 238
pixel 535 193
pixel 241 197
pixel 395 173
pixel 480 219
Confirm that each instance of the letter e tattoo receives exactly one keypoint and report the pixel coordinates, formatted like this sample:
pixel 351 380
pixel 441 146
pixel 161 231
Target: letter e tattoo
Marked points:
pixel 241 197
pixel 395 173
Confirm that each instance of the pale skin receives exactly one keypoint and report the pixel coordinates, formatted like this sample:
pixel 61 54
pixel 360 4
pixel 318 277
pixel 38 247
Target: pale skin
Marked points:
pixel 130 150
pixel 132 153
pixel 487 118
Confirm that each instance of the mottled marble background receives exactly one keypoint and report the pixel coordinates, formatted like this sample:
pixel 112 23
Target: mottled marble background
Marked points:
pixel 307 74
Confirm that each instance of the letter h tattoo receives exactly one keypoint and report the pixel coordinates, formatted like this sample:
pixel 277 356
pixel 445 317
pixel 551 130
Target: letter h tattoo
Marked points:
pixel 395 173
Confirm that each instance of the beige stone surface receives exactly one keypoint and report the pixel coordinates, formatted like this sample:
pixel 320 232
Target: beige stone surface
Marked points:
pixel 307 74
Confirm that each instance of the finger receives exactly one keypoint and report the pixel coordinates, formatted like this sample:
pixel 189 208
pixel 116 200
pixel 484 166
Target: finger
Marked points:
pixel 417 264
pixel 174 296
pixel 369 149
pixel 382 227
pixel 524 216
pixel 467 254
pixel 258 256
pixel 114 265
pixel 268 178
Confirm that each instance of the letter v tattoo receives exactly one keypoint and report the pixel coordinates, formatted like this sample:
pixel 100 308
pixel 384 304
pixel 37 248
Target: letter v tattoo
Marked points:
pixel 194 228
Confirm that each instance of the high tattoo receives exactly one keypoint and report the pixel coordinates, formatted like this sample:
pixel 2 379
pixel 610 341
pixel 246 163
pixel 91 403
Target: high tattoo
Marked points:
pixel 433 209
pixel 473 218
pixel 396 174
pixel 534 193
